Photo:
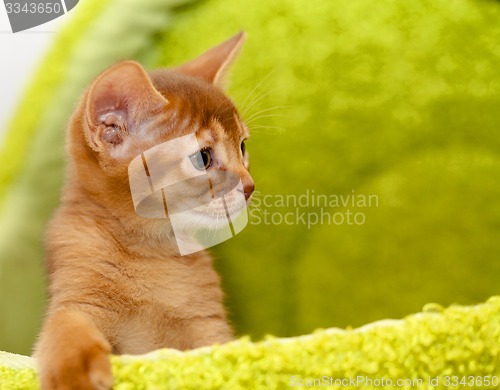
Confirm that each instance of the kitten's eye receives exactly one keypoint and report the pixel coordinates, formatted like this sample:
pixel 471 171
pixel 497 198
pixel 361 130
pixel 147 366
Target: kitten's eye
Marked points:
pixel 243 147
pixel 201 160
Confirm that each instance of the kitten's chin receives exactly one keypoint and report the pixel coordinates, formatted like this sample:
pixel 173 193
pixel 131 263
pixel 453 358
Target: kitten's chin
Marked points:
pixel 213 216
pixel 200 228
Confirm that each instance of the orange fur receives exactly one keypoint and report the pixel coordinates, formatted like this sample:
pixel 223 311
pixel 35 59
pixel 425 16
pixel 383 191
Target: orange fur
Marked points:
pixel 116 282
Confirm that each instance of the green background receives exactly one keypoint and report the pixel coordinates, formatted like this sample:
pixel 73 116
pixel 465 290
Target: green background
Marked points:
pixel 394 98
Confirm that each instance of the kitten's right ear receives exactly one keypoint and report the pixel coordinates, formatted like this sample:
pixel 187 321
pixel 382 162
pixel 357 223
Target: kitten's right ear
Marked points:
pixel 117 101
pixel 212 66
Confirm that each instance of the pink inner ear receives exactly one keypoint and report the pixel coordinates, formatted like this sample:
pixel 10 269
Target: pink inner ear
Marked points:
pixel 112 118
pixel 115 118
pixel 109 100
pixel 124 91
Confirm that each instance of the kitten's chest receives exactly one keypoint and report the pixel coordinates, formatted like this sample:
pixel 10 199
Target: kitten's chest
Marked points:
pixel 163 297
pixel 180 288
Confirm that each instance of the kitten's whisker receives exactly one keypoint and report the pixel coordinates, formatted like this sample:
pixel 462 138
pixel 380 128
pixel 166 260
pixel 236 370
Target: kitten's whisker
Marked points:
pixel 266 110
pixel 224 111
pixel 254 90
pixel 254 209
pixel 263 116
pixel 258 132
pixel 255 206
pixel 257 99
pixel 266 129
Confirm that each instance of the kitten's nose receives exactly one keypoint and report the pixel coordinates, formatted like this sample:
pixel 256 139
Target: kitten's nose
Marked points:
pixel 248 185
pixel 248 190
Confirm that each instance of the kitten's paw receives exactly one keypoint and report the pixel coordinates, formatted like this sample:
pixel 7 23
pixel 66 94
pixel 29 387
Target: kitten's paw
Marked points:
pixel 82 369
pixel 72 354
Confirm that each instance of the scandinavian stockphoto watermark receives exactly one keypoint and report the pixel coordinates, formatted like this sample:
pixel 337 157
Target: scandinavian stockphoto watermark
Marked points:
pixel 311 208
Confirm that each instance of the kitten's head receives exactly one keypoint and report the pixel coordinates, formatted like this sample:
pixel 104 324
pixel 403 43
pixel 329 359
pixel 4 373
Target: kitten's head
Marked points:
pixel 176 120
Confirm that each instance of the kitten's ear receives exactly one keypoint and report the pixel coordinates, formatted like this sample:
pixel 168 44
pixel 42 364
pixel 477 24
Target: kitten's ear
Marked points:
pixel 117 101
pixel 212 65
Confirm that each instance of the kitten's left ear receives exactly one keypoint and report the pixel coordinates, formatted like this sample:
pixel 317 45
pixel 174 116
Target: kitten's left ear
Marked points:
pixel 212 65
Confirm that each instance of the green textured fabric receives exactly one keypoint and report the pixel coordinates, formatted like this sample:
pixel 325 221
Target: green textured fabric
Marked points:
pixel 394 99
pixel 397 99
pixel 428 348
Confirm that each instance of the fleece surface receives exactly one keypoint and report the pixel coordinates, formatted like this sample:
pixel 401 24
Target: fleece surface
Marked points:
pixel 393 99
pixel 429 350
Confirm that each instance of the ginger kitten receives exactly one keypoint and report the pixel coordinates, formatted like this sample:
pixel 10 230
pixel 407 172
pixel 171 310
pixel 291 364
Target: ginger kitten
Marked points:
pixel 117 282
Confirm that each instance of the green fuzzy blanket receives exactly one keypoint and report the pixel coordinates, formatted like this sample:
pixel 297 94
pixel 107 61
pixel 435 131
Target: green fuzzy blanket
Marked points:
pixel 429 350
pixel 398 99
